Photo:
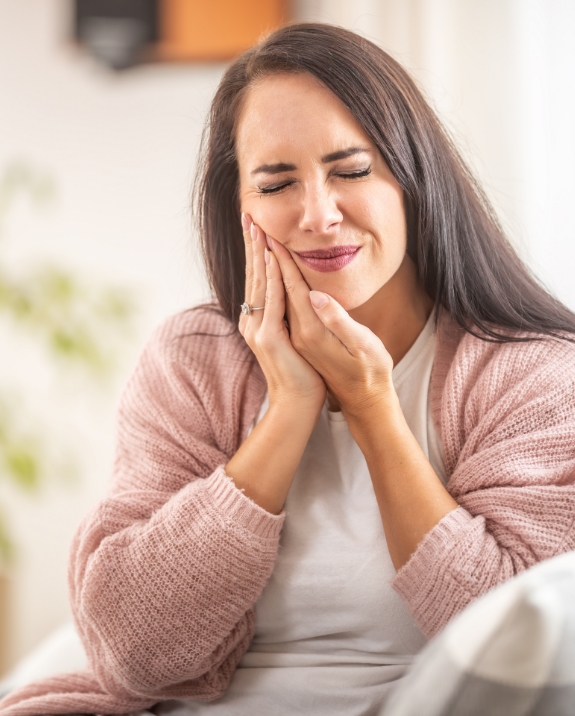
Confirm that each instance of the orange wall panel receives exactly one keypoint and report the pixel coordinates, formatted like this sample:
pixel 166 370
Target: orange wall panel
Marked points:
pixel 215 29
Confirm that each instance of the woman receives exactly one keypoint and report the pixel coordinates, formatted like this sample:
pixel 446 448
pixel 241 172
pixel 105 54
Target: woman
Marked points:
pixel 391 433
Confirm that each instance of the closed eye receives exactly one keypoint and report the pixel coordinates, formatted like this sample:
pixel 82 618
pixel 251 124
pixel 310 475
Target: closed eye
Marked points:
pixel 355 175
pixel 273 189
pixel 343 175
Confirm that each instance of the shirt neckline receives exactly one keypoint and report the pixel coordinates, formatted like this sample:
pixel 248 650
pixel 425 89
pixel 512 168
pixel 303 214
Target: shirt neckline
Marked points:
pixel 415 351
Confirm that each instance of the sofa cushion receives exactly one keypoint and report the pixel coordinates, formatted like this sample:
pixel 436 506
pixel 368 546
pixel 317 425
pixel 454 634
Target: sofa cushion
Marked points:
pixel 510 653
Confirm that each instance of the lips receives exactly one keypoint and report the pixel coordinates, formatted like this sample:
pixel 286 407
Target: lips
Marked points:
pixel 331 259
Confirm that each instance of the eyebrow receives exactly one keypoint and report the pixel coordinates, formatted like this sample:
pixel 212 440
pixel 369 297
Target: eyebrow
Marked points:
pixel 333 157
pixel 343 154
pixel 274 168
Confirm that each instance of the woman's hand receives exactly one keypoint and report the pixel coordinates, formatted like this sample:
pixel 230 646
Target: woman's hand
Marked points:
pixel 291 380
pixel 264 466
pixel 351 359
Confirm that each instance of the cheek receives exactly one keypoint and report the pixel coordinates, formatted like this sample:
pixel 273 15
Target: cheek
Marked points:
pixel 274 216
pixel 386 214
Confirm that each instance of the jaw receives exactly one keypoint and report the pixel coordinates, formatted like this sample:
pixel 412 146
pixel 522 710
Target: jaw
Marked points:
pixel 395 301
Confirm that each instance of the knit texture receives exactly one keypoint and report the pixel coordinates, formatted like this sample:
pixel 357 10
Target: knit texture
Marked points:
pixel 165 572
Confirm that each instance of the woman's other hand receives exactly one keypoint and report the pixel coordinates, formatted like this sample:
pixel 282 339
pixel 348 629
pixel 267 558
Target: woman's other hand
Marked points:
pixel 351 359
pixel 357 370
pixel 290 378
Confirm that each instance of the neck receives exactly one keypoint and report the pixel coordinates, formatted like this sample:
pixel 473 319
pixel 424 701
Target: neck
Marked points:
pixel 398 312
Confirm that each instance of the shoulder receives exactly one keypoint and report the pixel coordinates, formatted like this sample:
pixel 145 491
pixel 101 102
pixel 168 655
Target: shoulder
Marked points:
pixel 195 362
pixel 202 335
pixel 199 347
pixel 492 392
pixel 533 366
pixel 464 361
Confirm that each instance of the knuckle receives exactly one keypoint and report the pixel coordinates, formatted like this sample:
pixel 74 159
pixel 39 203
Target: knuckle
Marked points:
pixel 271 279
pixel 289 287
pixel 262 342
pixel 305 335
pixel 365 347
pixel 298 343
pixel 250 340
pixel 257 283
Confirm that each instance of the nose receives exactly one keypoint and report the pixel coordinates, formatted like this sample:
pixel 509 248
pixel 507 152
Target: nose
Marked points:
pixel 320 213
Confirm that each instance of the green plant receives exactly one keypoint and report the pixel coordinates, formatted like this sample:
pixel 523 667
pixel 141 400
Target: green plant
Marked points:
pixel 75 323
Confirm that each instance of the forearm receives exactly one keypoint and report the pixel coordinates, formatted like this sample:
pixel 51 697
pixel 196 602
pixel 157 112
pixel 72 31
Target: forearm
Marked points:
pixel 207 553
pixel 410 496
pixel 265 464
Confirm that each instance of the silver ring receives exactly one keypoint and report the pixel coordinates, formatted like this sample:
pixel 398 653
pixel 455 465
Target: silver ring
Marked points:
pixel 247 309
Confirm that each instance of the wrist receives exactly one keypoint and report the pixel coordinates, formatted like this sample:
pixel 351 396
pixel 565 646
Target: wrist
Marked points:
pixel 366 407
pixel 291 414
pixel 377 415
pixel 290 407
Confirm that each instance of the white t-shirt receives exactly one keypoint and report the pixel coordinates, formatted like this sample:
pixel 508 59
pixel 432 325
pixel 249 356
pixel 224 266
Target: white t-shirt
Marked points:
pixel 331 634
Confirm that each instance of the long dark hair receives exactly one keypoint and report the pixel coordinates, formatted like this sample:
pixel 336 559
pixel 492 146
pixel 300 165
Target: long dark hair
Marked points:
pixel 464 260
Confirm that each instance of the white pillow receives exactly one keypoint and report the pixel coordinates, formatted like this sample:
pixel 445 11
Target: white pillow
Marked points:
pixel 510 653
pixel 60 652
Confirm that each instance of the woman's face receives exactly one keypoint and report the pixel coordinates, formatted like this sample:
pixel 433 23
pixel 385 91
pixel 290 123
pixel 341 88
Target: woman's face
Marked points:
pixel 313 180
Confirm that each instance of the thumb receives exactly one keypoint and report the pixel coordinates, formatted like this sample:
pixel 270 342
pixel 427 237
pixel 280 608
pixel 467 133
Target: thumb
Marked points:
pixel 335 318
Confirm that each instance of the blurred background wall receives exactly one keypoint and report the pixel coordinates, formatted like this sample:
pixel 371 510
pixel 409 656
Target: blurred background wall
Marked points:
pixel 120 152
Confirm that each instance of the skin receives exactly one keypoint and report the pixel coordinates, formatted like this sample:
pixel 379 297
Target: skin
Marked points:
pixel 302 189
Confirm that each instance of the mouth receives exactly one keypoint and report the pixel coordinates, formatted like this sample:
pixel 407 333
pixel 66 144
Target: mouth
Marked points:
pixel 332 259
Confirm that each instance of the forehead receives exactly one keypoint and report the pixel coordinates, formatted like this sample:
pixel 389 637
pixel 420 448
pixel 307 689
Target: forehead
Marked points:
pixel 288 113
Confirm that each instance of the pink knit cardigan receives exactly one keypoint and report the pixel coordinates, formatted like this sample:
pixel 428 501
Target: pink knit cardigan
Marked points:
pixel 166 570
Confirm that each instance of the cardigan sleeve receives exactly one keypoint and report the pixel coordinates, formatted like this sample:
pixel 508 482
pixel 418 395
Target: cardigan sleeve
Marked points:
pixel 165 572
pixel 508 427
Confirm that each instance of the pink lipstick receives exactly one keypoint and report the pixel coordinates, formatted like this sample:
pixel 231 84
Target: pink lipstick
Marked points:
pixel 332 259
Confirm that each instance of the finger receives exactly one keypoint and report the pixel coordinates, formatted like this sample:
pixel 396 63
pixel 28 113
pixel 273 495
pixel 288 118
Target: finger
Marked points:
pixel 297 291
pixel 246 224
pixel 288 266
pixel 258 294
pixel 275 306
pixel 355 337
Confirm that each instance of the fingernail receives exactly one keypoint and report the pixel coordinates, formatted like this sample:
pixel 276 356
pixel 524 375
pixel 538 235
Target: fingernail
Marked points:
pixel 266 256
pixel 318 299
pixel 269 242
pixel 254 231
pixel 245 222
